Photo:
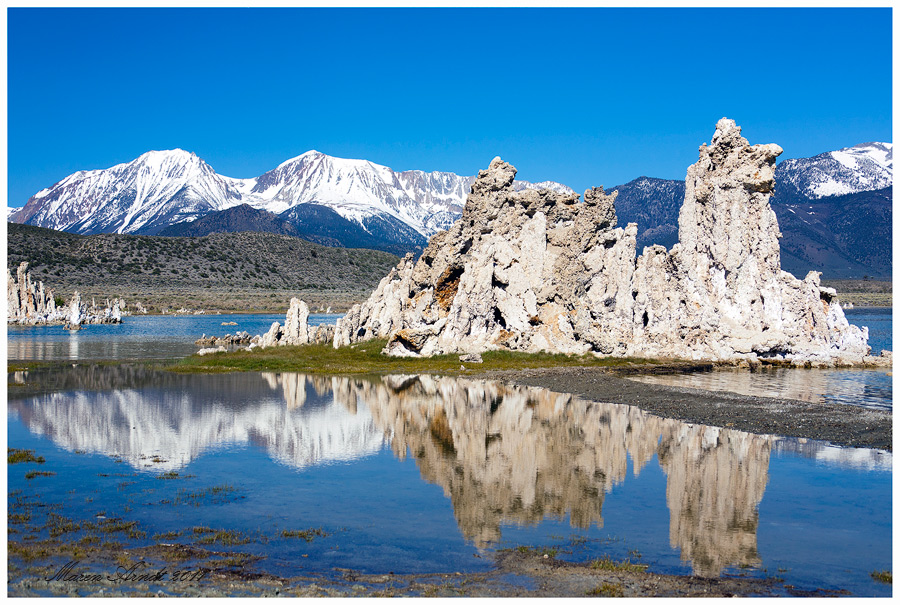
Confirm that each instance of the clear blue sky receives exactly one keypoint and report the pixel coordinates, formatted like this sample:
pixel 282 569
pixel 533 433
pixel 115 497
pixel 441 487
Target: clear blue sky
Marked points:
pixel 580 96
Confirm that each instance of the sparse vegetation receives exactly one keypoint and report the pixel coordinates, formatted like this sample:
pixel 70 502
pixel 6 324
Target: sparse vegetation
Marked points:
pixel 33 474
pixel 607 590
pixel 307 534
pixel 884 576
pixel 862 292
pixel 221 271
pixel 224 537
pixel 15 456
pixel 607 564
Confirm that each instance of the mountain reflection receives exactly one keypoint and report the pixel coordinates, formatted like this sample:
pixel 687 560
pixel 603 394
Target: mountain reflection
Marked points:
pixel 502 454
pixel 176 418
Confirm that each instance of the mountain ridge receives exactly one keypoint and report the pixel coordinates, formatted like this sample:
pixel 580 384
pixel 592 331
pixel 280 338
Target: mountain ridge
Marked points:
pixel 161 188
pixel 357 203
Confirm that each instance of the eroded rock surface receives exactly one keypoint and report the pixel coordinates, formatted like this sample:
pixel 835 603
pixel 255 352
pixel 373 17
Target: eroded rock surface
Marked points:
pixel 30 304
pixel 540 271
pixel 296 329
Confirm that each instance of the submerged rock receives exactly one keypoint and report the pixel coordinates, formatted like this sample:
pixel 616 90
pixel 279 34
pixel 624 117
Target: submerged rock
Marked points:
pixel 537 270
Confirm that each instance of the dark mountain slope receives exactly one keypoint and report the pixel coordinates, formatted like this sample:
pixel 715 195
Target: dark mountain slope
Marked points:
pixel 113 262
pixel 232 220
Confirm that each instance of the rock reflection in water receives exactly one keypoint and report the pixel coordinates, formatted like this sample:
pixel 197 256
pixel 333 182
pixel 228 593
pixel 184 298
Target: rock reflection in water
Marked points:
pixel 716 480
pixel 502 454
pixel 523 454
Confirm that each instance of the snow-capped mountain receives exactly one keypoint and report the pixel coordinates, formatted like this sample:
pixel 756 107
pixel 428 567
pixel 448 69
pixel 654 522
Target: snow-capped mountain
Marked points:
pixel 865 167
pixel 156 189
pixel 161 188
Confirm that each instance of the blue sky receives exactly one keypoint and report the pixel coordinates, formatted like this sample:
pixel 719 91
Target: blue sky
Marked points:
pixel 581 96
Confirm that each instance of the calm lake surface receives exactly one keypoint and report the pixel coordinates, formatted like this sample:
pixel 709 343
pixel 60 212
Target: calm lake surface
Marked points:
pixel 137 337
pixel 427 474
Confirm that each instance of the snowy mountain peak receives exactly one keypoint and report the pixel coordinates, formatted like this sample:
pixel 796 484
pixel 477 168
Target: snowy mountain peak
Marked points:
pixel 161 188
pixel 864 167
pixel 880 153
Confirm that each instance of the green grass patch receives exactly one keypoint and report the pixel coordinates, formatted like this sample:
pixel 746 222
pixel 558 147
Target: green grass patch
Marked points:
pixel 366 358
pixel 307 534
pixel 32 474
pixel 885 577
pixel 15 456
pixel 607 564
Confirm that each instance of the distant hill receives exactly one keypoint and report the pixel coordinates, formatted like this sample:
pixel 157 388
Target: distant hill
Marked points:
pixel 653 204
pixel 265 261
pixel 844 236
pixel 232 220
pixel 323 225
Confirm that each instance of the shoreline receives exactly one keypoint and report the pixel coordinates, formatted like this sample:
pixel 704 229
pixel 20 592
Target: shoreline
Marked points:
pixel 521 572
pixel 843 425
pixel 839 424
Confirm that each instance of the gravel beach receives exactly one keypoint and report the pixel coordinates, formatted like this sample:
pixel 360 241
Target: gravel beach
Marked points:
pixel 840 424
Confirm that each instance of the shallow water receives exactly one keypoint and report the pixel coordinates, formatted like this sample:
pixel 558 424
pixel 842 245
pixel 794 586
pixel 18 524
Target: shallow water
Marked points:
pixel 864 388
pixel 137 337
pixel 879 320
pixel 424 474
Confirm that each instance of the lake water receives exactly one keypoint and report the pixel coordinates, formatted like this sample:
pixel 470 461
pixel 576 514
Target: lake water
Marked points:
pixel 137 337
pixel 427 474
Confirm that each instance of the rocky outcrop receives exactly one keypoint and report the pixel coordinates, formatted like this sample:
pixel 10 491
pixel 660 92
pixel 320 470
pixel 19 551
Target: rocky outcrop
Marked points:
pixel 381 314
pixel 29 303
pixel 296 331
pixel 33 305
pixel 540 271
pixel 238 338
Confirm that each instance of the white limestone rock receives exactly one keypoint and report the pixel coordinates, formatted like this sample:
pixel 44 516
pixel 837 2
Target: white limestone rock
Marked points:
pixel 539 271
pixel 271 338
pixel 296 330
pixel 296 324
pixel 211 350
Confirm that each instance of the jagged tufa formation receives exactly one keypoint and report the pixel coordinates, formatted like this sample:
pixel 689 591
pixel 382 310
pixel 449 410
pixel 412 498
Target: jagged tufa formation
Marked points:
pixel 539 271
pixel 32 305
